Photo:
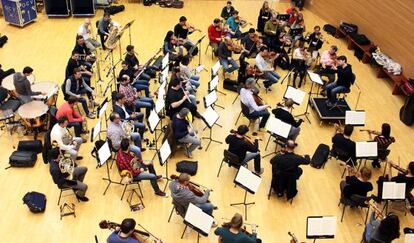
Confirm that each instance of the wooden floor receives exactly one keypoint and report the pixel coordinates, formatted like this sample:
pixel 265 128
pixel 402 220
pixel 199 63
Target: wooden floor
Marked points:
pixel 46 45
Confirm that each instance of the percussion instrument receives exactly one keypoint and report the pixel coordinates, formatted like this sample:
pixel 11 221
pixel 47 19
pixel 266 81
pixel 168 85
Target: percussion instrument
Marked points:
pixel 49 88
pixel 33 114
pixel 8 83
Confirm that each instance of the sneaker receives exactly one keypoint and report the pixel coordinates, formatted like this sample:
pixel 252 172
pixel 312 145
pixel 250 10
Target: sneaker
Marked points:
pixel 82 199
pixel 161 194
pixel 143 149
pixel 79 158
pixel 261 171
pixel 269 89
pixel 189 155
pixel 91 116
pixel 159 177
pixel 215 208
pixel 214 225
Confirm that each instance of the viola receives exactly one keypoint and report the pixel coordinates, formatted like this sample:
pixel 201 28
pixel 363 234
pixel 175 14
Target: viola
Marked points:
pixel 253 71
pixel 242 229
pixel 191 186
pixel 105 224
pixel 246 138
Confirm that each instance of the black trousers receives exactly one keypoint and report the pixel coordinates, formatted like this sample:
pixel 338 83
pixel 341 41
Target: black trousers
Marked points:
pixel 103 39
pixel 77 126
pixel 4 74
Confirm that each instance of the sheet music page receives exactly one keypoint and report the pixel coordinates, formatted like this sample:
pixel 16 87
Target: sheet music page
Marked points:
pixel 314 227
pixel 409 238
pixel 210 116
pixel 211 98
pixel 278 127
pixel 399 190
pixel 153 120
pixel 296 95
pixel 213 83
pixel 393 190
pixel 321 226
pixel 164 61
pixel 248 179
pixel 96 130
pixel 165 152
pixel 215 68
pixel 159 105
pixel 315 78
pixel 102 110
pixel 366 149
pixel 329 225
pixel 355 117
pixel 196 217
pixel 104 153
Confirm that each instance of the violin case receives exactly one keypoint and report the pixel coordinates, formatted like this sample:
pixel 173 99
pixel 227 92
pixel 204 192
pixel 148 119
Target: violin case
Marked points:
pixel 186 166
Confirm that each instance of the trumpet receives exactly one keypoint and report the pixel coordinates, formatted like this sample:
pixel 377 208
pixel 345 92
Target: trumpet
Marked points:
pixel 128 128
pixel 67 164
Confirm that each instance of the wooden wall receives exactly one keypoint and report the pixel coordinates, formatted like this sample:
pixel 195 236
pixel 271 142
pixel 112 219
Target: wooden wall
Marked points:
pixel 388 23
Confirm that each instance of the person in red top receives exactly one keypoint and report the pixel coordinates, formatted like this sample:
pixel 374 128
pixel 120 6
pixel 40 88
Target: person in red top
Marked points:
pixel 75 119
pixel 215 32
pixel 293 11
pixel 126 161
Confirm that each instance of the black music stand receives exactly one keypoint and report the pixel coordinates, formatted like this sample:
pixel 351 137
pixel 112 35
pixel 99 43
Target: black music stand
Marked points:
pixel 192 219
pixel 210 117
pixel 297 96
pixel 163 154
pixel 316 80
pixel 198 43
pixel 153 122
pixel 324 223
pixel 128 26
pixel 102 108
pixel 105 152
pixel 210 100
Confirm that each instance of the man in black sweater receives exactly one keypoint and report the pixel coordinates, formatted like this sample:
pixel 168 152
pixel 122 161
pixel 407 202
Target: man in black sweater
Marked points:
pixel 283 114
pixel 343 143
pixel 343 83
pixel 245 150
pixel 182 30
pixel 224 54
pixel 177 99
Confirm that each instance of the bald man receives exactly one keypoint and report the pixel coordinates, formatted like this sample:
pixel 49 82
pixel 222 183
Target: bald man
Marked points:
pixel 85 31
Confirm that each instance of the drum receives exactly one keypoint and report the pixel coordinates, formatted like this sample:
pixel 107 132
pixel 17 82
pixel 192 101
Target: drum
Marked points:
pixel 33 114
pixel 49 88
pixel 8 84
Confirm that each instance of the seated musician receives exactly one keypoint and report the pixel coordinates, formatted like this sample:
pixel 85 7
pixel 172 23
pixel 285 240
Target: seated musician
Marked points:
pixel 181 193
pixel 292 11
pixel 232 232
pixel 136 166
pixel 6 73
pixel 384 140
pixel 127 115
pixel 255 111
pixel 227 11
pixel 251 44
pixel 23 87
pixel 343 83
pixel 182 30
pixel 283 114
pixel 116 133
pixel 299 64
pixel 85 31
pixel 62 180
pixel 133 62
pixel 341 141
pixel 125 233
pixel 382 230
pixel 186 74
pixel 139 84
pixel 245 148
pixel 272 30
pixel 75 120
pixel 64 139
pixel 265 14
pixel 177 98
pixel 73 63
pixel 185 83
pixel 357 183
pixel 215 32
pixel 86 57
pixel 133 100
pixel 285 167
pixel 244 73
pixel 76 86
pixel 224 53
pixel 103 28
pixel 283 58
pixel 234 25
pixel 315 41
pixel 169 46
pixel 328 62
pixel 184 132
pixel 262 64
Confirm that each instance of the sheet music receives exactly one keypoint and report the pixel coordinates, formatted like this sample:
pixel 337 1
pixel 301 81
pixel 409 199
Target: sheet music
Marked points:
pixel 161 91
pixel 296 95
pixel 104 153
pixel 102 110
pixel 355 118
pixel 278 127
pixel 210 116
pixel 213 83
pixel 164 152
pixel 409 238
pixel 96 130
pixel 200 220
pixel 210 99
pixel 165 60
pixel 164 74
pixel 324 226
pixel 248 179
pixel 366 149
pixel 159 105
pixel 315 78
pixel 199 68
pixel 153 120
pixel 393 190
pixel 215 68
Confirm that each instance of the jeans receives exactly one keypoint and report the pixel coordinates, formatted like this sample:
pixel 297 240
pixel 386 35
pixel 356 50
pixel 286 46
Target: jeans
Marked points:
pixel 136 138
pixel 91 44
pixel 74 152
pixel 226 65
pixel 237 34
pixel 190 139
pixel 264 114
pixel 24 98
pixel 333 89
pixel 140 127
pixel 142 85
pixel 79 175
pixel 206 208
pixel 144 102
pixel 144 76
pixel 195 80
pixel 103 38
pixel 271 77
pixel 256 157
pixel 294 133
pixel 84 105
pixel 77 126
pixel 152 176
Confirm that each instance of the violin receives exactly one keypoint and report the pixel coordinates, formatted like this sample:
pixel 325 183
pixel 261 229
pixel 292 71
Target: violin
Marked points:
pixel 105 224
pixel 253 71
pixel 243 23
pixel 190 27
pixel 194 187
pixel 237 49
pixel 246 138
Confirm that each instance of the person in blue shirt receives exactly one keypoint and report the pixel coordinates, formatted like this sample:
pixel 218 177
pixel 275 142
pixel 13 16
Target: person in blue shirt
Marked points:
pixel 125 233
pixel 183 132
pixel 234 25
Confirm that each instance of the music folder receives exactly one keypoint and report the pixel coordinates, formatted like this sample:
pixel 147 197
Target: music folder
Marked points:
pixel 393 190
pixel 248 180
pixel 159 105
pixel 104 153
pixel 153 120
pixel 164 62
pixel 366 149
pixel 213 83
pixel 210 99
pixel 210 116
pixel 318 227
pixel 95 131
pixel 296 95
pixel 102 108
pixel 198 220
pixel 315 78
pixel 215 68
pixel 355 118
pixel 278 127
pixel 164 152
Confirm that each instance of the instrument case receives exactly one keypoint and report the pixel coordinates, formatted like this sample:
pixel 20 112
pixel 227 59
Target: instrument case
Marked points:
pixel 22 159
pixel 30 145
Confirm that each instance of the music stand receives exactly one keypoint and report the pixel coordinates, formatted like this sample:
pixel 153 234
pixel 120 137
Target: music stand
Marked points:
pixel 213 83
pixel 196 219
pixel 128 26
pixel 315 78
pixel 366 150
pixel 210 117
pixel 163 154
pixel 165 61
pixel 392 191
pixel 276 128
pixel 96 131
pixel 153 121
pixel 104 153
pixel 297 96
pixel 355 118
pixel 102 108
pixel 320 227
pixel 210 100
pixel 198 43
pixel 250 182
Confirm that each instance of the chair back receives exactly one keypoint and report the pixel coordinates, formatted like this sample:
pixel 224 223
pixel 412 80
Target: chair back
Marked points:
pixel 231 159
pixel 340 154
pixel 245 110
pixel 179 208
pixel 3 94
pixel 383 153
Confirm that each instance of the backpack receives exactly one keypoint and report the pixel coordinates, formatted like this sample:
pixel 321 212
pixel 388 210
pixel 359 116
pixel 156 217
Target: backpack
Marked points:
pixel 320 156
pixel 186 166
pixel 330 29
pixel 36 201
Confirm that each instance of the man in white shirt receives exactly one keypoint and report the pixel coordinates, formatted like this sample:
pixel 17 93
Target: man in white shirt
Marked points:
pixel 60 134
pixel 271 76
pixel 85 31
pixel 255 111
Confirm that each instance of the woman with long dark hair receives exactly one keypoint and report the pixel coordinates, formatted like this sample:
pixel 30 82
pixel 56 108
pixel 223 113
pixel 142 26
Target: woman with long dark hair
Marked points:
pixel 384 231
pixel 264 15
pixel 383 139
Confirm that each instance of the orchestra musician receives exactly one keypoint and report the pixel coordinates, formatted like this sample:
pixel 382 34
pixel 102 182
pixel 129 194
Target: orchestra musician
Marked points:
pixel 127 73
pixel 73 63
pixel 255 110
pixel 384 230
pixel 85 31
pixel 185 84
pixel 315 40
pixel 283 113
pixel 182 30
pixel 343 83
pixel 124 233
pixel 115 133
pixel 133 100
pixel 184 132
pixel 133 62
pixel 86 57
pixel 75 119
pixel 272 31
pixel 233 231
pixel 299 62
pixel 265 14
pixel 136 166
pixel 23 87
pixel 215 32
pixel 251 44
pixel 60 134
pixel 384 140
pixel 357 183
pixel 6 73
pixel 224 53
pixel 262 64
pixel 227 11
pixel 245 147
pixel 327 63
pixel 283 58
pixel 342 141
pixel 128 115
pixel 186 74
pixel 234 25
pixel 183 195
pixel 177 98
pixel 293 12
pixel 103 28
pixel 169 46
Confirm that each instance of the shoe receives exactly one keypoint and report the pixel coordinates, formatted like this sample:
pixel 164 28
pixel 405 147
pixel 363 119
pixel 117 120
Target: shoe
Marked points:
pixel 198 115
pixel 161 194
pixel 84 140
pixel 91 116
pixel 261 171
pixel 189 155
pixel 214 225
pixel 197 102
pixel 83 199
pixel 159 177
pixel 143 149
pixel 269 89
pixel 215 208
pixel 79 158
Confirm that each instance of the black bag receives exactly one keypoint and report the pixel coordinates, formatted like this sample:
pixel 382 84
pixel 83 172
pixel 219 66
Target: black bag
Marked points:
pixel 177 4
pixel 320 156
pixel 407 111
pixel 114 9
pixel 349 28
pixel 165 3
pixel 230 84
pixel 148 2
pixel 360 39
pixel 330 29
pixel 189 167
pixel 359 53
pixel 36 201
pixel 3 40
pixel 22 159
pixel 30 145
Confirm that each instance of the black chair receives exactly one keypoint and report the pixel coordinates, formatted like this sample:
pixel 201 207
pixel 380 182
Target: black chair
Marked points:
pixel 344 157
pixel 284 182
pixel 231 159
pixel 65 189
pixel 7 103
pixel 239 87
pixel 181 211
pixel 340 105
pixel 130 183
pixel 245 112
pixel 356 201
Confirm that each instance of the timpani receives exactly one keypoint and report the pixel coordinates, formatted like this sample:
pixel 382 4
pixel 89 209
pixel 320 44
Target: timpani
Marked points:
pixel 48 88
